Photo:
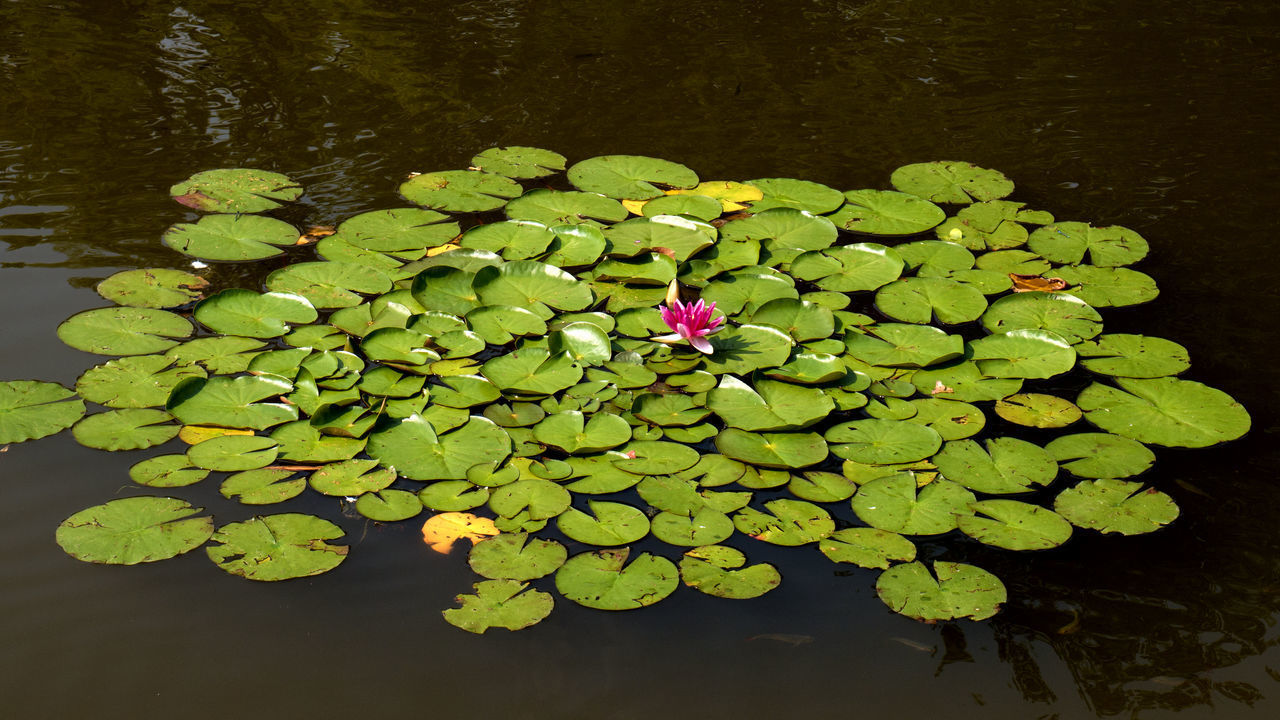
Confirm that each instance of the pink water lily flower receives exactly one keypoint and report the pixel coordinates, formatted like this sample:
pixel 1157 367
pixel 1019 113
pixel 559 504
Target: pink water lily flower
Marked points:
pixel 690 322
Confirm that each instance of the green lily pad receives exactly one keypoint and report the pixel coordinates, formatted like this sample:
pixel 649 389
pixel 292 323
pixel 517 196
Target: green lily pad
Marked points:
pixel 1022 354
pixel 1067 243
pixel 1108 287
pixel 891 503
pixel 301 441
pixel 554 207
pixel 134 382
pixel 629 177
pixel 1115 506
pixel 935 258
pixel 152 288
pixel 453 496
pixel 1063 315
pixel 583 342
pixel 232 402
pixel 867 547
pixel 1134 356
pixel 236 190
pixel 668 410
pixel 801 320
pixel 950 181
pixel 654 457
pixel 608 523
pixel 785 232
pixel 714 570
pixel 884 212
pixel 902 345
pixel 604 580
pixel 770 405
pixel 1038 410
pixel 706 526
pixel 573 433
pixel 1164 411
pixel 525 282
pixel 414 449
pixel 394 231
pixel 460 190
pixel 534 497
pixel 810 368
pixel 882 442
pixel 31 409
pixel 133 530
pixel 960 591
pixel 1100 455
pixel 699 207
pixel 920 299
pixel 516 556
pixel 499 603
pixel 218 355
pixel 820 486
pixel 516 161
pixel 990 225
pixel 773 450
pixel 514 239
pixel 351 478
pixel 744 348
pixel 787 522
pixel 951 419
pixel 1008 465
pixel 964 382
pixel 804 195
pixel 328 284
pixel 744 291
pixel 849 268
pixel 124 331
pixel 251 314
pixel 264 486
pixel 1014 525
pixel 389 505
pixel 533 370
pixel 681 236
pixel 1020 262
pixel 233 453
pixel 277 547
pixel 167 471
pixel 231 238
pixel 132 429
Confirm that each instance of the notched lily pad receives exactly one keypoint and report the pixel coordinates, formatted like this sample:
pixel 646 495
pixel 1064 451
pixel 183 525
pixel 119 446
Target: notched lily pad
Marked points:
pixel 277 547
pixel 236 190
pixel 959 591
pixel 134 530
pixel 500 603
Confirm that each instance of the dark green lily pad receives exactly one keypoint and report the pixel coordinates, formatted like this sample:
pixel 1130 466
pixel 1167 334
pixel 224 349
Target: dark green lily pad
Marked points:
pixel 950 181
pixel 519 162
pixel 231 238
pixel 951 419
pixel 1164 411
pixel 604 580
pixel 30 409
pixel 236 190
pixel 218 355
pixel 232 402
pixel 1134 356
pixel 960 591
pixel 891 503
pixel 1014 525
pixel 867 547
pixel 124 331
pixel 328 284
pixel 787 522
pixel 785 232
pixel 770 405
pixel 414 449
pixel 882 442
pixel 152 288
pixel 575 434
pixel 389 505
pixel 772 450
pixel 699 207
pixel 460 190
pixel 682 237
pixel 1100 455
pixel 964 382
pixel 1038 410
pixel 706 526
pixel 902 345
pixel 233 453
pixel 394 231
pixel 500 603
pixel 630 177
pixel 351 478
pixel 131 429
pixel 714 570
pixel 1115 506
pixel 849 268
pixel 1067 243
pixel 277 547
pixel 1108 287
pixel 167 471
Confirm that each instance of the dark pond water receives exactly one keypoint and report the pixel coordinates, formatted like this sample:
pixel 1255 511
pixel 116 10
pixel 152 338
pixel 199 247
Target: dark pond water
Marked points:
pixel 1160 116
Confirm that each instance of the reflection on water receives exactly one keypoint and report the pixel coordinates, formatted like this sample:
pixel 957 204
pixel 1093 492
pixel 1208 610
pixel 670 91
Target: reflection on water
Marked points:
pixel 1162 120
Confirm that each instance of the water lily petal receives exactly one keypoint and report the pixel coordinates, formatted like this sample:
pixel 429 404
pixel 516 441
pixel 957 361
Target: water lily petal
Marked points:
pixel 702 345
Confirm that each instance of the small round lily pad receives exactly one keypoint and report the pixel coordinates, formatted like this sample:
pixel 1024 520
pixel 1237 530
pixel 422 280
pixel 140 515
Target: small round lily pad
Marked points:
pixel 134 530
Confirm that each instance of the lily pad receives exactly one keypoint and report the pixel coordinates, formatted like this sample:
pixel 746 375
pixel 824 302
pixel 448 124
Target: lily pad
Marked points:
pixel 881 442
pixel 152 288
pixel 131 429
pixel 30 409
pixel 1067 243
pixel 960 591
pixel 902 345
pixel 787 522
pixel 572 432
pixel 950 181
pixel 964 382
pixel 167 471
pixel 770 405
pixel 519 162
pixel 389 505
pixel 394 231
pixel 1134 356
pixel 236 190
pixel 1014 525
pixel 133 530
pixel 604 580
pixel 920 299
pixel 798 194
pixel 951 419
pixel 251 314
pixel 714 570
pixel 1115 506
pixel 134 382
pixel 460 190
pixel 849 268
pixel 1007 465
pixel 707 526
pixel 554 207
pixel 1064 315
pixel 1038 410
pixel 1022 354
pixel 277 547
pixel 891 503
pixel 232 402
pixel 1109 287
pixel 264 486
pixel 630 177
pixel 772 450
pixel 231 238
pixel 516 556
pixel 414 449
pixel 607 523
pixel 124 331
pixel 514 239
pixel 867 547
pixel 1100 455
pixel 1164 411
pixel 884 212
pixel 233 453
pixel 328 284
pixel 500 603
pixel 351 478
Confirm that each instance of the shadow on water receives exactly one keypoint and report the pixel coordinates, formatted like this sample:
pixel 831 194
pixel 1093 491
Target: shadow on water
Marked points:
pixel 1158 117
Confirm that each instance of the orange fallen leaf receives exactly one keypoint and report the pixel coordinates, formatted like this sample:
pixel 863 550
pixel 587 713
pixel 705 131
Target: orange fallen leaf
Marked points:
pixel 939 388
pixel 635 207
pixel 665 251
pixel 314 233
pixel 1036 283
pixel 443 530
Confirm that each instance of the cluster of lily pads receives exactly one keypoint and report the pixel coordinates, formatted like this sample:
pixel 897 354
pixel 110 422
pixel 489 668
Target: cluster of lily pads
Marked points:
pixel 491 349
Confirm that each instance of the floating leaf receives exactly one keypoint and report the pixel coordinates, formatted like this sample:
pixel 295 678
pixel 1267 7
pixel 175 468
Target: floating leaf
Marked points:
pixel 152 288
pixel 901 345
pixel 884 212
pixel 277 547
pixel 1135 356
pixel 773 450
pixel 351 478
pixel 1022 354
pixel 499 603
pixel 604 580
pixel 787 522
pixel 124 331
pixel 328 284
pixel 167 471
pixel 1067 243
pixel 1038 410
pixel 572 432
pixel 891 503
pixel 233 453
pixel 920 299
pixel 460 190
pixel 881 442
pixel 951 182
pixel 1008 465
pixel 516 556
pixel 236 190
pixel 1014 525
pixel 553 207
pixel 1165 411
pixel 231 238
pixel 232 402
pixel 134 382
pixel 30 409
pixel 133 530
pixel 1109 287
pixel 867 547
pixel 608 523
pixel 630 177
pixel 131 429
pixel 519 162
pixel 1063 315
pixel 263 486
pixel 1118 506
pixel 1100 455
pixel 804 195
pixel 712 570
pixel 259 315
pixel 960 591
pixel 414 449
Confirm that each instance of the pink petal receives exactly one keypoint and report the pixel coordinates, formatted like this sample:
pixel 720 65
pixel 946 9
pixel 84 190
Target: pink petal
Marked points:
pixel 683 330
pixel 702 345
pixel 666 339
pixel 669 318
